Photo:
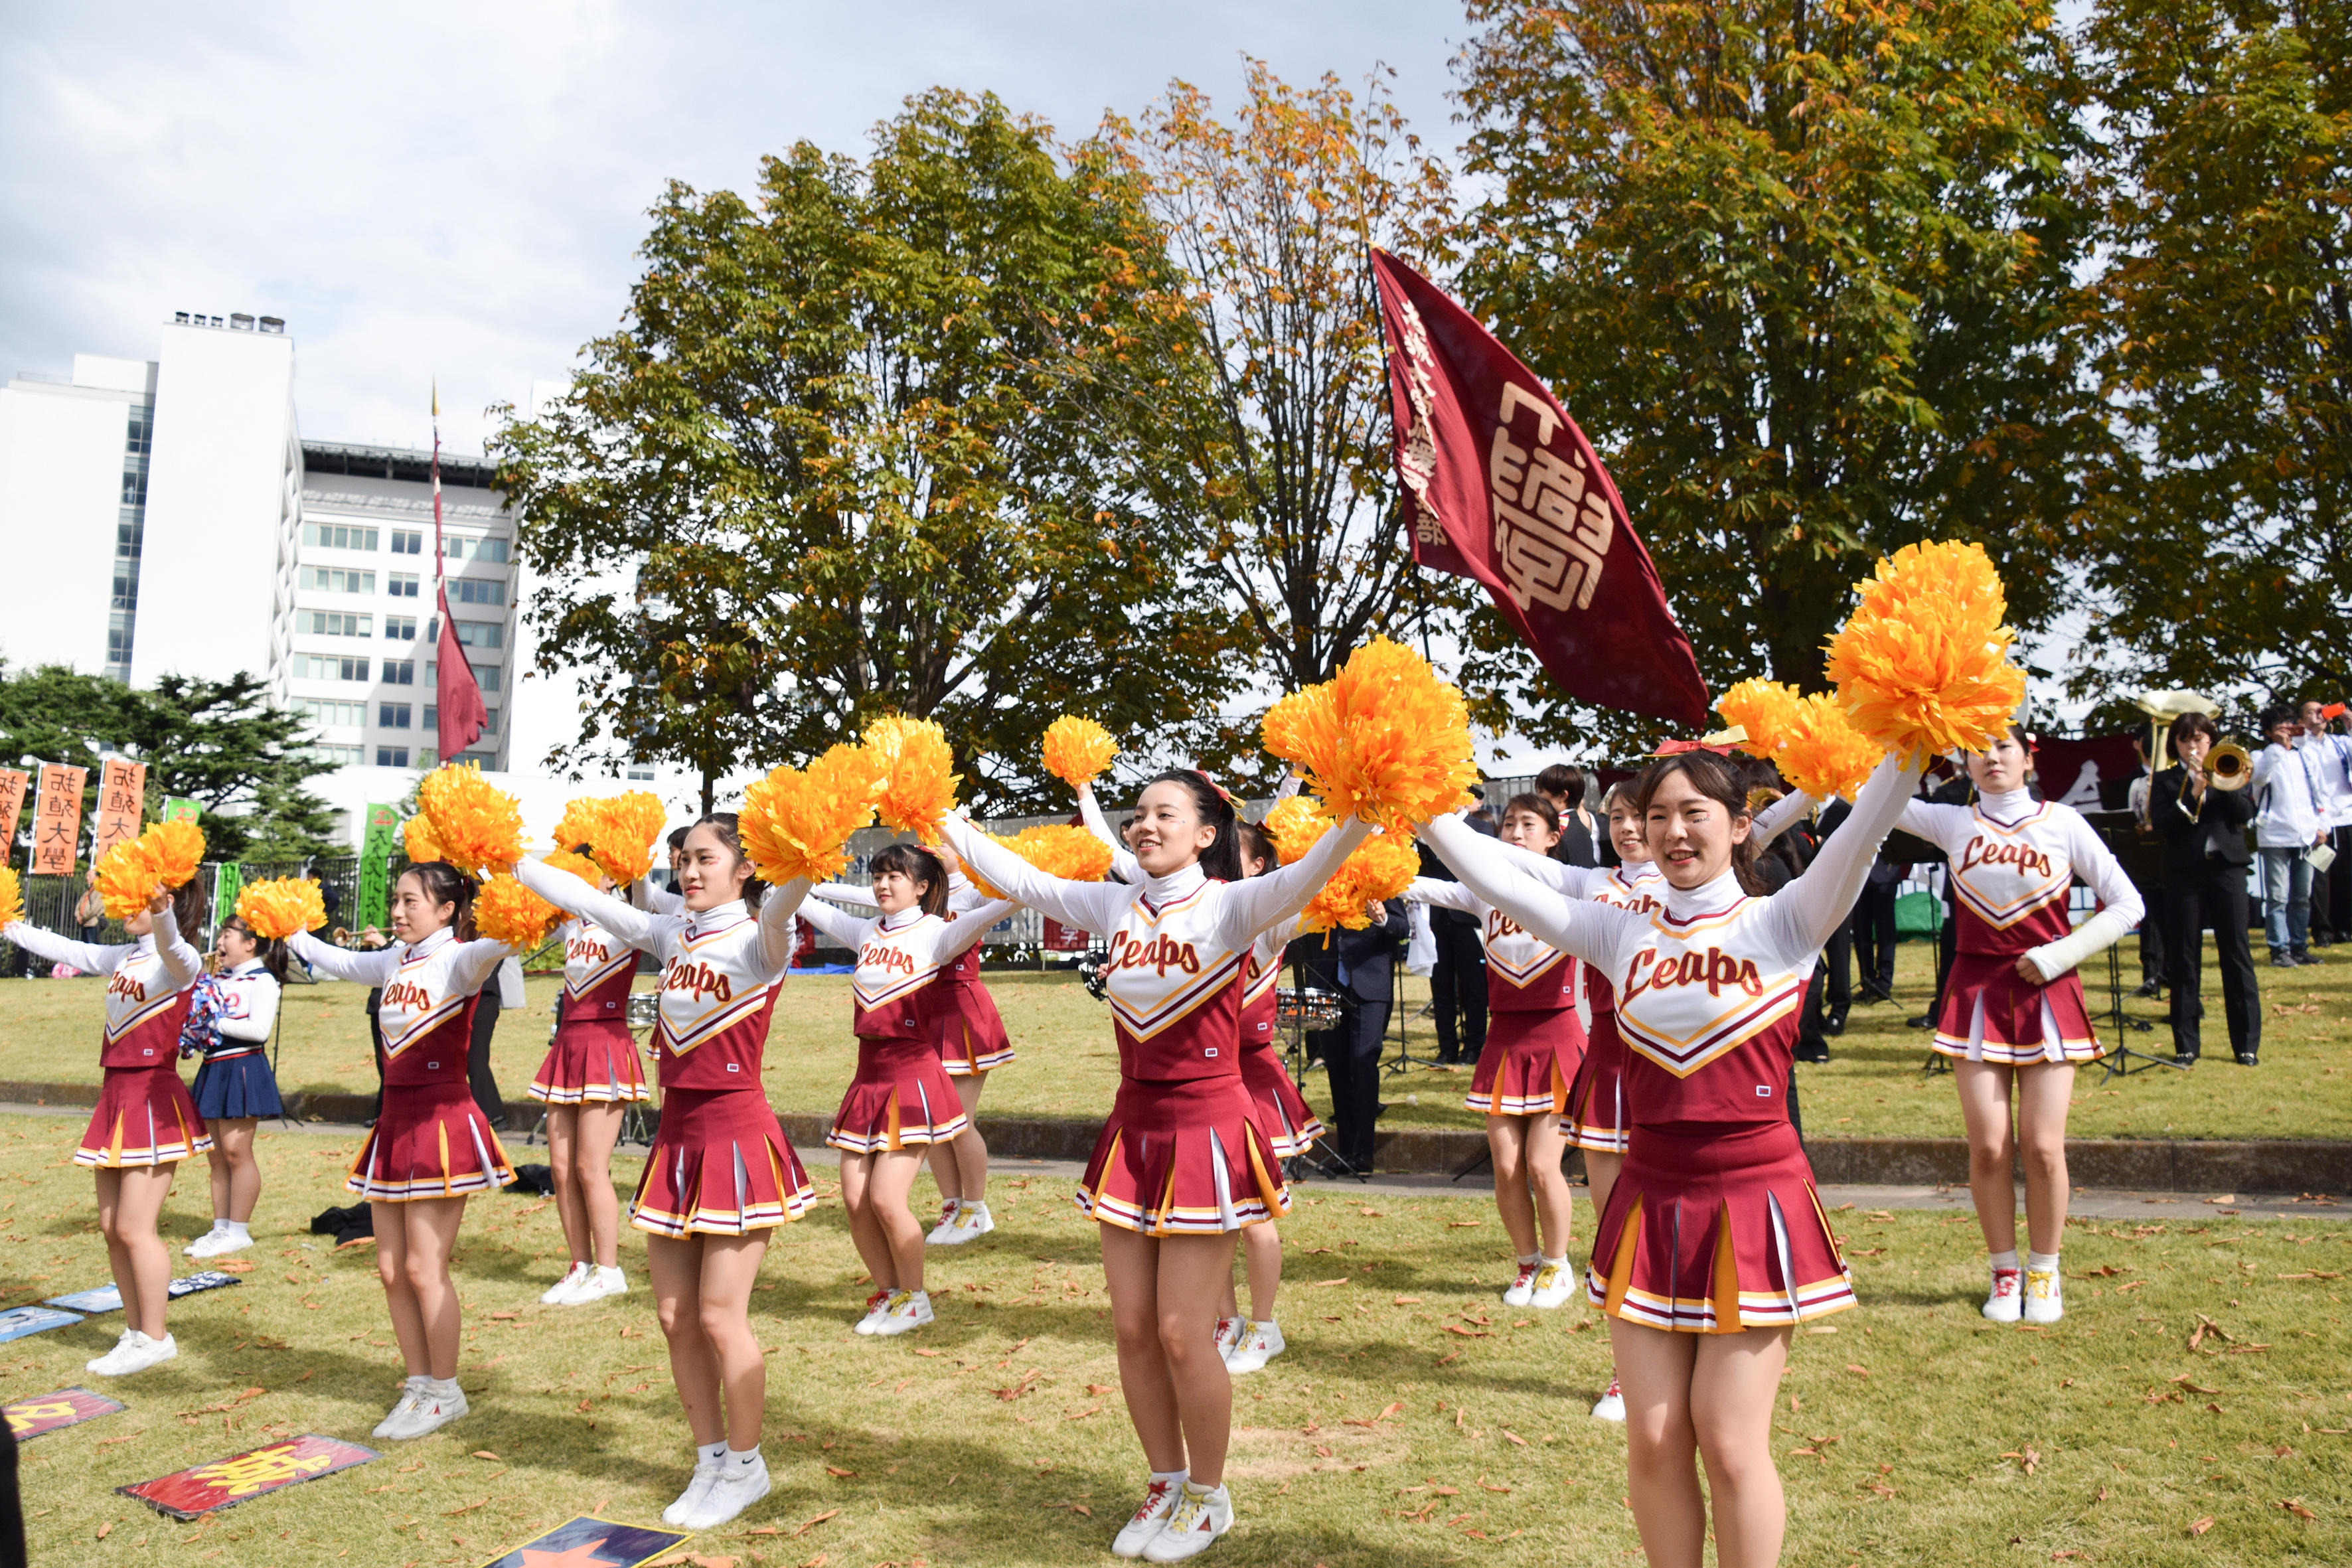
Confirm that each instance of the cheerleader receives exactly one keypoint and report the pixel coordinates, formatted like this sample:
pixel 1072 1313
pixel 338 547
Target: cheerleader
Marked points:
pixel 590 1075
pixel 2014 1011
pixel 1535 1047
pixel 1181 1163
pixel 230 1017
pixel 1714 1244
pixel 721 1174
pixel 145 1124
pixel 902 1100
pixel 431 1147
pixel 972 1042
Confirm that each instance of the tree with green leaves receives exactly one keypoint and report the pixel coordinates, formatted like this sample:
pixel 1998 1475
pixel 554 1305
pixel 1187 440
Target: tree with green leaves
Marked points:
pixel 218 743
pixel 2223 538
pixel 843 459
pixel 1806 273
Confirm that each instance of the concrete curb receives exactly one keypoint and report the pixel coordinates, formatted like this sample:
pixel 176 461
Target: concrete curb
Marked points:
pixel 2176 1165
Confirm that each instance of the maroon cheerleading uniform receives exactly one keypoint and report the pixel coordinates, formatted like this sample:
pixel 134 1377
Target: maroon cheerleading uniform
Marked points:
pixel 1598 1117
pixel 1183 1152
pixel 1535 1040
pixel 965 1026
pixel 593 1058
pixel 720 1163
pixel 144 1116
pixel 1714 1225
pixel 1290 1123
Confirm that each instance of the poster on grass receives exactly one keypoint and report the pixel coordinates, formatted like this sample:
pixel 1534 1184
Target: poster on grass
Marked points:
pixel 29 1418
pixel 206 1488
pixel 107 1298
pixel 586 1542
pixel 19 1321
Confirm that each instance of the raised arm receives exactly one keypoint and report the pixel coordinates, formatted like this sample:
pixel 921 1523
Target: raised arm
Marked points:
pixel 259 994
pixel 1251 906
pixel 1800 916
pixel 343 962
pixel 1928 819
pixel 1122 858
pixel 777 938
pixel 1780 816
pixel 572 895
pixel 1581 928
pixel 1568 881
pixel 843 928
pixel 1088 906
pixel 971 925
pixel 181 961
pixel 2120 905
pixel 90 958
pixel 1443 895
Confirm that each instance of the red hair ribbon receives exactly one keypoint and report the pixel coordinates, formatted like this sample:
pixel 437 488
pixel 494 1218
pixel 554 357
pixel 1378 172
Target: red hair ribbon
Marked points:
pixel 1720 743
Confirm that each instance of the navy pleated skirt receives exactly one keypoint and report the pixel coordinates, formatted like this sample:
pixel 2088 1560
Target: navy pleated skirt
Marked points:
pixel 236 1086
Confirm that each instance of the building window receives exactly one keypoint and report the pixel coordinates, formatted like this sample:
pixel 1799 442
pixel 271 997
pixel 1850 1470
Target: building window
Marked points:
pixel 142 429
pixel 473 633
pixel 126 591
pixel 403 585
pixel 407 542
pixel 341 756
pixel 134 487
pixel 400 672
pixel 339 535
pixel 326 710
pixel 392 715
pixel 639 772
pixel 328 667
pixel 486 676
pixel 127 540
pixel 391 756
pixel 118 647
pixel 338 624
pixel 458 547
pixel 338 580
pixel 490 721
pixel 400 628
pixel 478 591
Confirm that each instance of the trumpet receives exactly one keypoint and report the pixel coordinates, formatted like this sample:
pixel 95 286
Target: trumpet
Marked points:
pixel 1761 796
pixel 2228 767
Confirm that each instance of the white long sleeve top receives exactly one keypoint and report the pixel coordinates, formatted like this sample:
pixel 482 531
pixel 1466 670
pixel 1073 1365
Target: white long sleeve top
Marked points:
pixel 900 958
pixel 145 982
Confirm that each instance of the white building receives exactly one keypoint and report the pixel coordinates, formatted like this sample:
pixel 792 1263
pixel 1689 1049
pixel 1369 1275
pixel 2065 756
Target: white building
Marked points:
pixel 166 517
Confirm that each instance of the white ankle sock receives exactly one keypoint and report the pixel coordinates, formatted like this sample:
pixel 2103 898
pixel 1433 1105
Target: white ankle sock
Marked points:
pixel 608 1273
pixel 220 1223
pixel 1559 1262
pixel 974 1206
pixel 2005 1260
pixel 236 1228
pixel 1528 1260
pixel 739 1461
pixel 2042 1262
pixel 1174 1477
pixel 442 1387
pixel 712 1453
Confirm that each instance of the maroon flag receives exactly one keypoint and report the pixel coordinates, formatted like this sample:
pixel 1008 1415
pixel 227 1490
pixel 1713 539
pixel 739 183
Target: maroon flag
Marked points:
pixel 1501 486
pixel 458 714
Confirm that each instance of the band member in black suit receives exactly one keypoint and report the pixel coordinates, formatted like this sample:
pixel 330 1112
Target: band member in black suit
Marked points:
pixel 2205 860
pixel 1872 925
pixel 1562 784
pixel 1457 982
pixel 1366 973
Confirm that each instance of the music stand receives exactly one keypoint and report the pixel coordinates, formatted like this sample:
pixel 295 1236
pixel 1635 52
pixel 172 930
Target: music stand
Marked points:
pixel 2142 858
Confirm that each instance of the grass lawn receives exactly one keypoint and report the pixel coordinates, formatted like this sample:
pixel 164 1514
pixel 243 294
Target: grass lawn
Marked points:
pixel 48 1032
pixel 1415 1421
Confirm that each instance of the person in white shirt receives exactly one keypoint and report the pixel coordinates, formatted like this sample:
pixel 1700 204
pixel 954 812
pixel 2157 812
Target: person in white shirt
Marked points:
pixel 234 1086
pixel 2288 827
pixel 2330 759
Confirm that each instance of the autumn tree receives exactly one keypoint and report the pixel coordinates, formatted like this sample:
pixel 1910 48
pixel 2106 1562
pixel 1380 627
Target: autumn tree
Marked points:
pixel 2224 545
pixel 844 457
pixel 1805 273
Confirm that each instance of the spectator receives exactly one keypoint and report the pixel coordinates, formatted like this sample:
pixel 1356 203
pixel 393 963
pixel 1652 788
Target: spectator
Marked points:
pixel 1562 786
pixel 2330 756
pixel 2287 828
pixel 1365 969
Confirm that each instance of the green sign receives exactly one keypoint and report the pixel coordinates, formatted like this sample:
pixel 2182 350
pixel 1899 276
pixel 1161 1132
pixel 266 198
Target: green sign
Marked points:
pixel 375 866
pixel 178 810
pixel 228 880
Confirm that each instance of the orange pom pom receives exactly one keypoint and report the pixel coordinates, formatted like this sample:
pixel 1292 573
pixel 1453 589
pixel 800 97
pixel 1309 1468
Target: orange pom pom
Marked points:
pixel 1767 710
pixel 580 866
pixel 583 816
pixel 1294 825
pixel 12 897
pixel 1302 728
pixel 1381 866
pixel 1072 854
pixel 631 824
pixel 1078 750
pixel 797 824
pixel 916 766
pixel 505 910
pixel 418 843
pixel 125 879
pixel 476 823
pixel 1922 665
pixel 1824 754
pixel 281 906
pixel 1385 741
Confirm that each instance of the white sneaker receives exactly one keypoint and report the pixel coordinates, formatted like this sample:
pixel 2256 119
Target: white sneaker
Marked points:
pixel 2006 1302
pixel 599 1283
pixel 202 1246
pixel 972 1222
pixel 1228 1335
pixel 735 1487
pixel 1261 1342
pixel 943 1232
pixel 140 1354
pixel 1610 1406
pixel 2043 1301
pixel 1148 1518
pixel 904 1313
pixel 876 1305
pixel 1521 1291
pixel 223 1243
pixel 410 1392
pixel 706 1473
pixel 429 1414
pixel 1199 1517
pixel 1552 1286
pixel 125 1343
pixel 558 1294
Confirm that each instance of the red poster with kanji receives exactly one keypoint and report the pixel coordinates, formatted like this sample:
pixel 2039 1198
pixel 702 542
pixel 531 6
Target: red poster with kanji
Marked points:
pixel 29 1418
pixel 57 820
pixel 13 785
pixel 225 1483
pixel 121 804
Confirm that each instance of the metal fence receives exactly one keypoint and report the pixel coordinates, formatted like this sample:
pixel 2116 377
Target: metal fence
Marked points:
pixel 56 904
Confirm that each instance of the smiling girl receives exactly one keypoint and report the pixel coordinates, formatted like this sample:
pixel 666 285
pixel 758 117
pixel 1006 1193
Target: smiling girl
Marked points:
pixel 2013 1014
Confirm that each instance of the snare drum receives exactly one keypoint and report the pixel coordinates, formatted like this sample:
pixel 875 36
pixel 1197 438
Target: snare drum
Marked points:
pixel 1315 1009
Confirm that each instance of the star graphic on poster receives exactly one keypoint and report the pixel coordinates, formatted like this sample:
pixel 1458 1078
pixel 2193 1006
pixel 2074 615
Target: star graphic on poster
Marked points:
pixel 580 1556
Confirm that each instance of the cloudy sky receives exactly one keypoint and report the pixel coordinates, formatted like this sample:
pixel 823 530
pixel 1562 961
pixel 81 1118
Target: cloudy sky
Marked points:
pixel 456 190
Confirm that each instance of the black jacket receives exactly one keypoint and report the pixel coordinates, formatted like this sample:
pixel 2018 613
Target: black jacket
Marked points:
pixel 2221 823
pixel 1371 954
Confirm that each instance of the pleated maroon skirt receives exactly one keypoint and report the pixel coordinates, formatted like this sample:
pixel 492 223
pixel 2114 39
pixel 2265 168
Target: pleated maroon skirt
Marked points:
pixel 1184 1157
pixel 591 1062
pixel 902 1095
pixel 430 1140
pixel 1290 1123
pixel 1598 1117
pixel 2021 1023
pixel 720 1166
pixel 145 1117
pixel 1529 1061
pixel 969 1032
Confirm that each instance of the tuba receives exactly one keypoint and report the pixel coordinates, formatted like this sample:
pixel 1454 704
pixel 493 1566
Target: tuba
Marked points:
pixel 2228 767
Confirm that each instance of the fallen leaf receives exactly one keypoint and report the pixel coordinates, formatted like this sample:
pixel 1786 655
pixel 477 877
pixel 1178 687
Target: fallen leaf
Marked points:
pixel 2293 1505
pixel 1406 1301
pixel 1858 1370
pixel 927 1353
pixel 1515 1437
pixel 830 1513
pixel 1100 1387
pixel 1320 1283
pixel 483 1454
pixel 832 1470
pixel 107 1529
pixel 2201 1526
pixel 1462 1224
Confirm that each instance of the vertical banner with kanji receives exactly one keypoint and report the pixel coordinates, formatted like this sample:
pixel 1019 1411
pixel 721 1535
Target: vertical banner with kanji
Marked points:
pixel 57 819
pixel 121 804
pixel 375 864
pixel 13 785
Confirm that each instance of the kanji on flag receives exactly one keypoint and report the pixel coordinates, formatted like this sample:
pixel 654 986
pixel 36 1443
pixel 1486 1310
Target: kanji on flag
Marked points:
pixel 201 1488
pixel 29 1418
